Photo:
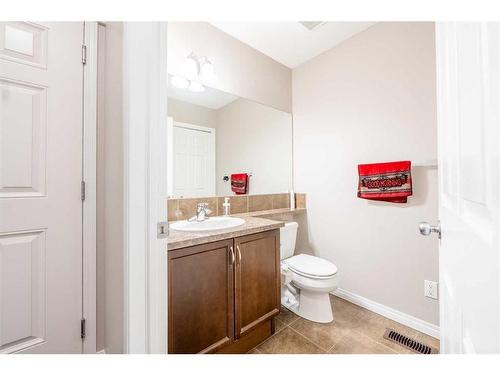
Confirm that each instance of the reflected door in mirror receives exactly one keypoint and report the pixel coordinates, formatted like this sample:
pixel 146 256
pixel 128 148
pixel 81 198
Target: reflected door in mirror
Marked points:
pixel 193 159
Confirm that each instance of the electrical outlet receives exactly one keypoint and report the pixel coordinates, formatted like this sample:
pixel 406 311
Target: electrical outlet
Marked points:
pixel 431 289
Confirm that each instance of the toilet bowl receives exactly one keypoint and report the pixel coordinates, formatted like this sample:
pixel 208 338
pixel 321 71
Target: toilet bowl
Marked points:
pixel 308 280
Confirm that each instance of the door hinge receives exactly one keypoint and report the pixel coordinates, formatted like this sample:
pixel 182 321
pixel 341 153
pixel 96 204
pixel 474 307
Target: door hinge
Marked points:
pixel 82 328
pixel 84 54
pixel 82 191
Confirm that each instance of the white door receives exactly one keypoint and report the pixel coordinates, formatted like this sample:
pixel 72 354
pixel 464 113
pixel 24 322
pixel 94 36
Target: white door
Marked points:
pixel 40 173
pixel 468 75
pixel 193 161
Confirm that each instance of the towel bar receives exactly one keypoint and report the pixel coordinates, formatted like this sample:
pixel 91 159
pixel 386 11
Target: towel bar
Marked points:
pixel 425 163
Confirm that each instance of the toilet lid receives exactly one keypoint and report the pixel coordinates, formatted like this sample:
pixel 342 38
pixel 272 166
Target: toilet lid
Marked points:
pixel 311 265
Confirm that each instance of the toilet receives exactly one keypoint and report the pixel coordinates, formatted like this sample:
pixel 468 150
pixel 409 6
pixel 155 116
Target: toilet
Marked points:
pixel 306 280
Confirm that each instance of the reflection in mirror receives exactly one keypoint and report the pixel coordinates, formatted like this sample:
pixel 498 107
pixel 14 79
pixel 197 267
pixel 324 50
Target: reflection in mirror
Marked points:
pixel 214 136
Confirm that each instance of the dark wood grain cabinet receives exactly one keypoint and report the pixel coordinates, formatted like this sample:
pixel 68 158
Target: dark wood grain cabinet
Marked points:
pixel 257 276
pixel 200 301
pixel 222 296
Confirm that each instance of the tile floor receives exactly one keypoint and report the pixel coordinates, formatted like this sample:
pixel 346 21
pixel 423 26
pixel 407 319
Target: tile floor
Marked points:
pixel 355 330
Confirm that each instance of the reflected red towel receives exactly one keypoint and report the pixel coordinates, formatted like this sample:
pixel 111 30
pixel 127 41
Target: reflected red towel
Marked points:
pixel 390 182
pixel 239 183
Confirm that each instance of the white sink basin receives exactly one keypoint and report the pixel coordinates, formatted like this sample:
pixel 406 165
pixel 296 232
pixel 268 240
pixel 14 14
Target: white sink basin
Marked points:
pixel 212 223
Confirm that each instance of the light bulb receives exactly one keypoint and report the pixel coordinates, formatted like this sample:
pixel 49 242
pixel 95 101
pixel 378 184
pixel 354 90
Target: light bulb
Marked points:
pixel 207 72
pixel 179 82
pixel 196 87
pixel 191 68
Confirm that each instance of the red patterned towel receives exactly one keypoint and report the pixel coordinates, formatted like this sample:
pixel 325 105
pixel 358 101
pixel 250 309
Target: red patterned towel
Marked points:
pixel 390 182
pixel 239 183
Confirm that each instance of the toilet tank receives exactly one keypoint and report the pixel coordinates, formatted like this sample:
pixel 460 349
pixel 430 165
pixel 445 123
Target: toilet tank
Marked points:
pixel 288 236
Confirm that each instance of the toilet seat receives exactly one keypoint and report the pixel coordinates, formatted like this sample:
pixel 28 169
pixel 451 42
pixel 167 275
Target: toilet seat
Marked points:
pixel 311 267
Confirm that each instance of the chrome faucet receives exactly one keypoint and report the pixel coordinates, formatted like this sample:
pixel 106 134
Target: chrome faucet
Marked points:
pixel 202 212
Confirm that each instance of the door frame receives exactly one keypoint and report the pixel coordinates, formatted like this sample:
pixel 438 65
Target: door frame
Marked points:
pixel 89 175
pixel 145 186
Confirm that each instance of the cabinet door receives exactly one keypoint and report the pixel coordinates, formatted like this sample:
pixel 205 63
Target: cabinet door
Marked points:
pixel 257 279
pixel 201 298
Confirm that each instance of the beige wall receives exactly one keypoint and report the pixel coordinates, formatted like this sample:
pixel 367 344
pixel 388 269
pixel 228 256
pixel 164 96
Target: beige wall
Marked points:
pixel 240 69
pixel 371 98
pixel 110 261
pixel 191 113
pixel 252 137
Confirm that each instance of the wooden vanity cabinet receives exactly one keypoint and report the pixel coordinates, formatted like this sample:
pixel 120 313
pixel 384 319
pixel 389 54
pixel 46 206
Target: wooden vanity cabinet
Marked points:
pixel 257 280
pixel 200 298
pixel 222 296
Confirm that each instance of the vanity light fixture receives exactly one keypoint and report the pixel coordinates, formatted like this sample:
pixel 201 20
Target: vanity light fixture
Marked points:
pixel 180 82
pixel 195 70
pixel 207 73
pixel 195 86
pixel 191 67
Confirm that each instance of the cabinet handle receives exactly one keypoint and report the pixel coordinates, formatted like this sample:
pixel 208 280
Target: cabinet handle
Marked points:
pixel 239 253
pixel 232 255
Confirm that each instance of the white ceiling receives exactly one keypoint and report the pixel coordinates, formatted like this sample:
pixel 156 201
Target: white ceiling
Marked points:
pixel 210 98
pixel 290 43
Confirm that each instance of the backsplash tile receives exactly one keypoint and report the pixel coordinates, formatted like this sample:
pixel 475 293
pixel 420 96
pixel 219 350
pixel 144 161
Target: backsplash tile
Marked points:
pixel 239 204
pixel 173 209
pixel 260 202
pixel 300 200
pixel 185 208
pixel 281 201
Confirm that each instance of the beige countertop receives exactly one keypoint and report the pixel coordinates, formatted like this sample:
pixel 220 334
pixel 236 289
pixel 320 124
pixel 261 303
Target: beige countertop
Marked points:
pixel 178 239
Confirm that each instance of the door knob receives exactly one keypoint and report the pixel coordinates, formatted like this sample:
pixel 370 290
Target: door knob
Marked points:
pixel 426 228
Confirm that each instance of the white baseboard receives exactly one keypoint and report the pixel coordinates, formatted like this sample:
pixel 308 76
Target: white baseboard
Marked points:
pixel 390 313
